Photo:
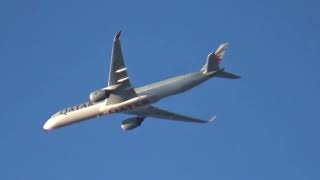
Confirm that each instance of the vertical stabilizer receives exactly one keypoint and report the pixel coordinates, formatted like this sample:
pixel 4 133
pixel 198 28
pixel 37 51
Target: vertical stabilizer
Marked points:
pixel 214 59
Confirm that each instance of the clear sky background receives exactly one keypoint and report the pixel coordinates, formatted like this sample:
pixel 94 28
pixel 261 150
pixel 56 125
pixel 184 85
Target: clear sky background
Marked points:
pixel 54 53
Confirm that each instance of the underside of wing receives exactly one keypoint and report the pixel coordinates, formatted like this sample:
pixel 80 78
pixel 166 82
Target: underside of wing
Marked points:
pixel 118 76
pixel 151 111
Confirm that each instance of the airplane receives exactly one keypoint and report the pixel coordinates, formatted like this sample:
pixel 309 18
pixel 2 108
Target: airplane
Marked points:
pixel 119 96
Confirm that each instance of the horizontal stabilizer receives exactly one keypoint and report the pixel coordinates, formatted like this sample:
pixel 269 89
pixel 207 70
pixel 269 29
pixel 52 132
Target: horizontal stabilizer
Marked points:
pixel 224 74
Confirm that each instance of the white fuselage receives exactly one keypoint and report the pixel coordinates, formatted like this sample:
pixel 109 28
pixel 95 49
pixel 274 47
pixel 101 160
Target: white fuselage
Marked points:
pixel 147 95
pixel 80 112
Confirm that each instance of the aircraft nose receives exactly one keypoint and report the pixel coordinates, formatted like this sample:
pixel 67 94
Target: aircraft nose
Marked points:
pixel 49 125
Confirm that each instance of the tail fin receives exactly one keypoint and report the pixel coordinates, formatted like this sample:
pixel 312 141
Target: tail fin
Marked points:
pixel 214 59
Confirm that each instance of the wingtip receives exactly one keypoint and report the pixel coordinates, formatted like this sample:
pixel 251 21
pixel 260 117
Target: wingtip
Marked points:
pixel 212 119
pixel 117 35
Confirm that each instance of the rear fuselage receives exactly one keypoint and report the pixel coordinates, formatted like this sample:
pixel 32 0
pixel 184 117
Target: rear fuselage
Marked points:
pixel 173 85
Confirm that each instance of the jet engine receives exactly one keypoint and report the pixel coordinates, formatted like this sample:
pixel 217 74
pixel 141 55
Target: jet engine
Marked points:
pixel 99 95
pixel 132 123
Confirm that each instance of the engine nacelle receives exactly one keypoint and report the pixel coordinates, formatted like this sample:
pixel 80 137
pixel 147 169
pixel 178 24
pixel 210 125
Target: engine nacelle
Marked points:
pixel 99 95
pixel 132 123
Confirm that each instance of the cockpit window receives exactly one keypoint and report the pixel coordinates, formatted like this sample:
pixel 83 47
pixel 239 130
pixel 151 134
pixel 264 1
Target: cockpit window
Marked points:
pixel 56 114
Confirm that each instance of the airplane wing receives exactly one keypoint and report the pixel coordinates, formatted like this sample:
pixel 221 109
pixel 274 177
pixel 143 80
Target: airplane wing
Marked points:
pixel 118 76
pixel 151 111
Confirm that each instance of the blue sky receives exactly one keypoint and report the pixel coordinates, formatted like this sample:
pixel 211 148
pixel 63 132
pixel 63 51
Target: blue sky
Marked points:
pixel 54 53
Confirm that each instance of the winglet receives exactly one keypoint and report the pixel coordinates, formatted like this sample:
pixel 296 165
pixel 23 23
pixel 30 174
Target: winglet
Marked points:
pixel 212 119
pixel 118 35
